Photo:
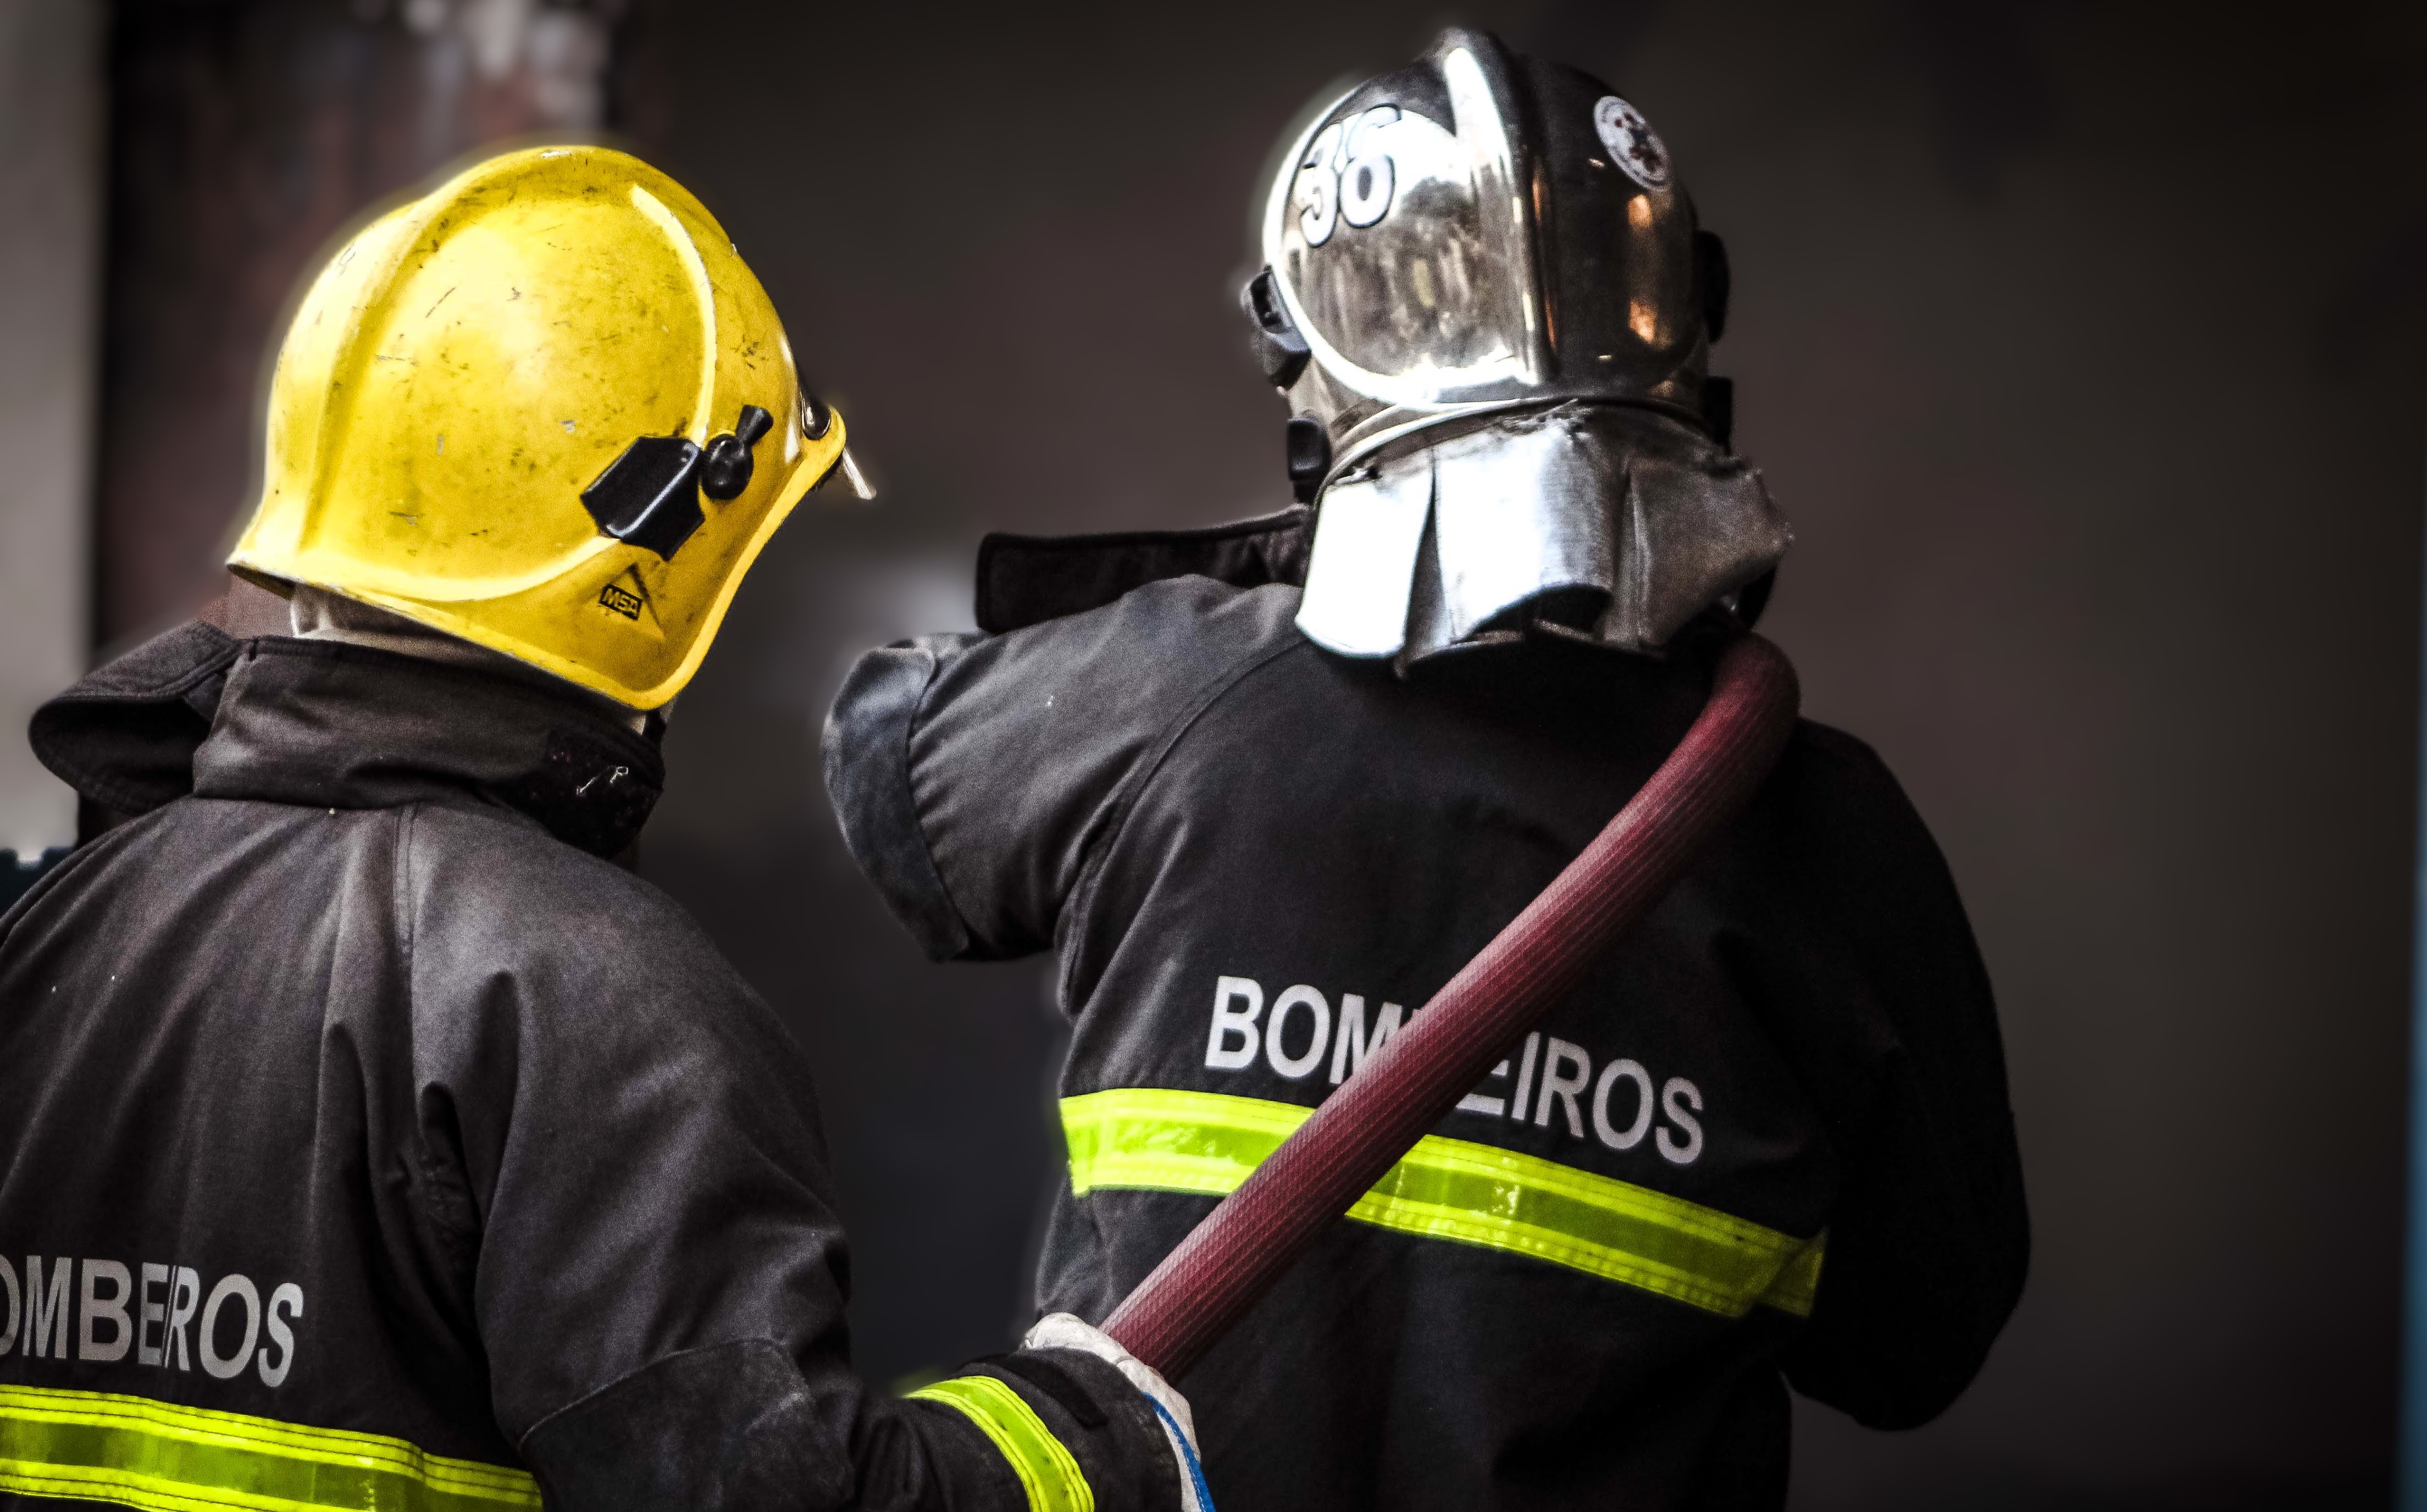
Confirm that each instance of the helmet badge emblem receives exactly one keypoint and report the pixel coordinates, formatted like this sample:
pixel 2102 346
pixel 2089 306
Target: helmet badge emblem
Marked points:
pixel 1633 144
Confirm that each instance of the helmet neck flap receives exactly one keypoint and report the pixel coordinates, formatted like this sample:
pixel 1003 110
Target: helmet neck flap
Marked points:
pixel 1490 309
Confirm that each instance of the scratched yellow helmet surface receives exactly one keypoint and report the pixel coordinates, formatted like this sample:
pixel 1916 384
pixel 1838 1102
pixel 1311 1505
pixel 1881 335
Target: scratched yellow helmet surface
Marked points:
pixel 544 408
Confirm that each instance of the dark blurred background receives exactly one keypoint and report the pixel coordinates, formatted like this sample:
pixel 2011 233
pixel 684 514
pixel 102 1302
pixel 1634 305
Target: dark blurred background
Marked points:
pixel 2083 343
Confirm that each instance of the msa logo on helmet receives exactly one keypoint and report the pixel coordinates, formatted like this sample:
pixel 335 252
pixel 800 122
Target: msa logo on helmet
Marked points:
pixel 627 597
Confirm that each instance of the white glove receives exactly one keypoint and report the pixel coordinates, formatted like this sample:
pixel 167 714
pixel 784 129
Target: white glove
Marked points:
pixel 1063 1330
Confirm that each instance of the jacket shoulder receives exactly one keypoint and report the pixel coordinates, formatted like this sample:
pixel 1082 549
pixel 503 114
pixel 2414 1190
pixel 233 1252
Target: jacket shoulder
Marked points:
pixel 1834 834
pixel 492 896
pixel 1826 765
pixel 1840 754
pixel 1174 630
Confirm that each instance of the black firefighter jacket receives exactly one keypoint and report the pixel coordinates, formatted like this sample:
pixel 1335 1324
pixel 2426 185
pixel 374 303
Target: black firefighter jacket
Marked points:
pixel 362 1143
pixel 1767 1138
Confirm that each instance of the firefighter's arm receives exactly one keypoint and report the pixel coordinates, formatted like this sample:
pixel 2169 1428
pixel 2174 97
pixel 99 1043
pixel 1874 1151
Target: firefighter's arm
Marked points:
pixel 659 1276
pixel 1929 1240
pixel 737 1425
pixel 975 777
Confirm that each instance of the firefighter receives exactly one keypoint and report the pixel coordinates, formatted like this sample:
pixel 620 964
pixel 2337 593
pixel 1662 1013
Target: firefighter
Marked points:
pixel 368 1137
pixel 1265 788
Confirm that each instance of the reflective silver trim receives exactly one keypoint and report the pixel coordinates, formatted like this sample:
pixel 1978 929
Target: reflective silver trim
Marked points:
pixel 1365 559
pixel 1517 513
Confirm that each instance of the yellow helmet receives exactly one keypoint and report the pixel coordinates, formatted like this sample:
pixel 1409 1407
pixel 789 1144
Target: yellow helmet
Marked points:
pixel 547 409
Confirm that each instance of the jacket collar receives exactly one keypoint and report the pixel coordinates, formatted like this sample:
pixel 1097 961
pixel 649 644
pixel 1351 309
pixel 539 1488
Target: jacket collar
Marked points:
pixel 330 725
pixel 125 736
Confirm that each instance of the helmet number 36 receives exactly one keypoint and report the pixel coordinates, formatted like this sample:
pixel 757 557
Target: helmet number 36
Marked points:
pixel 1345 175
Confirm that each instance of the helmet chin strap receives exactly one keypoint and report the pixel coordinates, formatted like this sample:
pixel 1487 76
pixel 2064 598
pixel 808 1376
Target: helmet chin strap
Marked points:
pixel 316 614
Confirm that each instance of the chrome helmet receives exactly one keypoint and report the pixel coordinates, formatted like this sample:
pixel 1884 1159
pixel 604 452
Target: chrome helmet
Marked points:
pixel 1487 302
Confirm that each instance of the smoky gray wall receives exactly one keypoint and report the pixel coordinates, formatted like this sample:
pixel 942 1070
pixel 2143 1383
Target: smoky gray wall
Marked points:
pixel 51 119
pixel 2082 345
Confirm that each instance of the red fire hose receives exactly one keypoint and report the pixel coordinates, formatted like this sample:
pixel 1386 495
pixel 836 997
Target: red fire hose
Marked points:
pixel 1245 1243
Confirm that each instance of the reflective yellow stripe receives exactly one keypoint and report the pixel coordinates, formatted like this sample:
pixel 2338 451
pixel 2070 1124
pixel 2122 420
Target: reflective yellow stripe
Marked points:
pixel 1150 1139
pixel 91 1446
pixel 1046 1471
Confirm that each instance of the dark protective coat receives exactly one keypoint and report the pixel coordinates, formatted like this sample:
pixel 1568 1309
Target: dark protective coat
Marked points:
pixel 355 1098
pixel 1209 817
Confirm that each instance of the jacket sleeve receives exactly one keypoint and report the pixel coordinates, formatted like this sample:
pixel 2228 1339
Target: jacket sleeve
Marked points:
pixel 1888 1009
pixel 658 1273
pixel 974 777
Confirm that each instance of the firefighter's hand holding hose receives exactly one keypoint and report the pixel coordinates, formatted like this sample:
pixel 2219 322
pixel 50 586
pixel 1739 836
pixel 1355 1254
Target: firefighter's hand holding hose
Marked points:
pixel 1063 1330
